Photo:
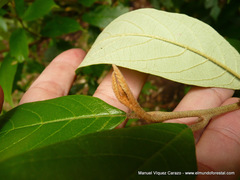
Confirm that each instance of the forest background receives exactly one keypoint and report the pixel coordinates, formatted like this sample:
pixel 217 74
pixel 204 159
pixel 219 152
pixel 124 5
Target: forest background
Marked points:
pixel 32 33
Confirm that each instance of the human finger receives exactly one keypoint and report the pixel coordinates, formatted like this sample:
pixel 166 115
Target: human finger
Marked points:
pixel 135 81
pixel 201 98
pixel 219 146
pixel 56 80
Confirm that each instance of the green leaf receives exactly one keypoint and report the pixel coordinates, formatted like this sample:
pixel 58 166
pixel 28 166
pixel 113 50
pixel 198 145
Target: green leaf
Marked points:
pixel 215 11
pixel 103 15
pixel 3 25
pixel 116 154
pixel 20 7
pixel 235 43
pixel 38 124
pixel 170 45
pixel 19 45
pixel 3 2
pixel 209 3
pixel 2 12
pixel 7 73
pixel 59 26
pixel 38 9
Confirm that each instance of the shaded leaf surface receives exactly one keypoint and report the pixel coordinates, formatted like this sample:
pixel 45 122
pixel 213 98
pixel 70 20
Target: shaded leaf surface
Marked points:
pixel 103 15
pixel 8 70
pixel 19 45
pixel 235 43
pixel 37 124
pixel 3 26
pixel 20 7
pixel 116 154
pixel 38 9
pixel 170 45
pixel 59 26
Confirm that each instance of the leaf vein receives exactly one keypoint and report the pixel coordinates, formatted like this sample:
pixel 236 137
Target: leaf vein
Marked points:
pixel 19 140
pixel 159 152
pixel 66 119
pixel 202 54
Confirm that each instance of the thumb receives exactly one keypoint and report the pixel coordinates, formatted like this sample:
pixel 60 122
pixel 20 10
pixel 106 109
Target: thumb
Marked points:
pixel 135 81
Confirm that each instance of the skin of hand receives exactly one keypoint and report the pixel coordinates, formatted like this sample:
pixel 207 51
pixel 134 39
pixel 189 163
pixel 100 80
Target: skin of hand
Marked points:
pixel 217 146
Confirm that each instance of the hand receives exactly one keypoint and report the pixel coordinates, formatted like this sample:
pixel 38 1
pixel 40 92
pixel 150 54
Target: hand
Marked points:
pixel 56 80
pixel 217 147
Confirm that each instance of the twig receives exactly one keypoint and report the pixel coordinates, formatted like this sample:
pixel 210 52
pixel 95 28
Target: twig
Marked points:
pixel 125 96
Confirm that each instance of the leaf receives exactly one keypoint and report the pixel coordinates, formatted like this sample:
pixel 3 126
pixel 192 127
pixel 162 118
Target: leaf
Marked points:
pixel 215 9
pixel 209 3
pixel 235 43
pixel 3 2
pixel 59 26
pixel 170 45
pixel 103 15
pixel 19 45
pixel 20 7
pixel 38 124
pixel 116 154
pixel 3 12
pixel 7 74
pixel 3 25
pixel 38 9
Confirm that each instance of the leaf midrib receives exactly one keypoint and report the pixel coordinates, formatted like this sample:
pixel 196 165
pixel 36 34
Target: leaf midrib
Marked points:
pixel 223 66
pixel 62 120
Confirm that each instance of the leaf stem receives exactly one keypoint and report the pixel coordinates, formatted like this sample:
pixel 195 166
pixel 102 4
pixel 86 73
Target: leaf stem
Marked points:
pixel 125 96
pixel 162 116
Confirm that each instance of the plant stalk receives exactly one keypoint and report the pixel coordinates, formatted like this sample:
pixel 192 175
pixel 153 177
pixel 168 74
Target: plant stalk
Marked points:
pixel 125 96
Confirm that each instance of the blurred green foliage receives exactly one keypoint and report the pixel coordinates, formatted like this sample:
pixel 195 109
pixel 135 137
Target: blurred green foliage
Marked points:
pixel 33 32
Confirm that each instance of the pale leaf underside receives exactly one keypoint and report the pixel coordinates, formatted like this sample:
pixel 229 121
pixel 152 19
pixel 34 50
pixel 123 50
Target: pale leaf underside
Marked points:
pixel 170 45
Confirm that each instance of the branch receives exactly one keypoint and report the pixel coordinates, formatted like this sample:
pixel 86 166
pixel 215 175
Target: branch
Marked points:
pixel 125 96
